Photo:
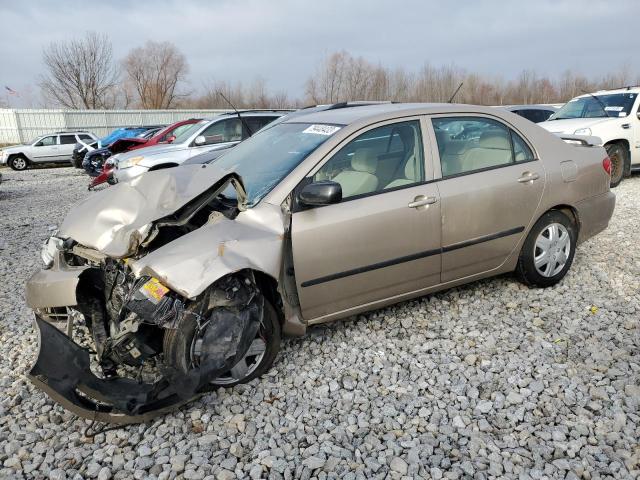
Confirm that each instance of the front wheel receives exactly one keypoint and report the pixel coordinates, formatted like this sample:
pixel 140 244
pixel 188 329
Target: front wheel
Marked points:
pixel 548 251
pixel 18 163
pixel 182 347
pixel 618 155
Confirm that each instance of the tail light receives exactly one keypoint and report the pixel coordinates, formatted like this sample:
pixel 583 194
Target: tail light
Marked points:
pixel 606 164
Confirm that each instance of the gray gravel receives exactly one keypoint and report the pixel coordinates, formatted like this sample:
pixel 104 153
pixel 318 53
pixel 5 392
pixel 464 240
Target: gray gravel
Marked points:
pixel 488 380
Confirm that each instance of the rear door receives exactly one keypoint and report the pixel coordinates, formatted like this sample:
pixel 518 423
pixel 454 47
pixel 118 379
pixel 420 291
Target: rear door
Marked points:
pixel 383 239
pixel 491 187
pixel 46 149
pixel 65 149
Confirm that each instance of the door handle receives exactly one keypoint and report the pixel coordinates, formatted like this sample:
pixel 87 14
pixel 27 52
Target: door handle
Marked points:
pixel 422 201
pixel 626 126
pixel 528 177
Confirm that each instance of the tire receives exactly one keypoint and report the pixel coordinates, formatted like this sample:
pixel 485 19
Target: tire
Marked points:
pixel 18 163
pixel 269 333
pixel 618 155
pixel 551 272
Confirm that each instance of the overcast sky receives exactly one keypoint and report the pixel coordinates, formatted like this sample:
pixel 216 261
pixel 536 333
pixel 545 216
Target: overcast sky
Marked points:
pixel 282 41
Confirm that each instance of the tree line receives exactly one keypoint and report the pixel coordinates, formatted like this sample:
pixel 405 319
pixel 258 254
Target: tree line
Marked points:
pixel 82 73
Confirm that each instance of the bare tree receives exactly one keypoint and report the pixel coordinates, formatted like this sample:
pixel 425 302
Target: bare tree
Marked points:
pixel 80 72
pixel 156 70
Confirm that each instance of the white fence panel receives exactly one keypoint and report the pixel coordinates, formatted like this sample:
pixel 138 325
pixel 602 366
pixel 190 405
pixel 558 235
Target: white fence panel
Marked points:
pixel 21 125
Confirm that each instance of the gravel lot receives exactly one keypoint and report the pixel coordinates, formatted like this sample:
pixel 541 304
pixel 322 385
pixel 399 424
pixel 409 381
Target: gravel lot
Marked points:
pixel 489 380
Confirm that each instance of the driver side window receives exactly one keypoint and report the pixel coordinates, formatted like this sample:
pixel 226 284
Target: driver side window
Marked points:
pixel 383 158
pixel 46 141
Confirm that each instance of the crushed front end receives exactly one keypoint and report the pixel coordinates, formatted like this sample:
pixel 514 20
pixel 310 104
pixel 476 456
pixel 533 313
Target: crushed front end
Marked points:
pixel 130 348
pixel 122 346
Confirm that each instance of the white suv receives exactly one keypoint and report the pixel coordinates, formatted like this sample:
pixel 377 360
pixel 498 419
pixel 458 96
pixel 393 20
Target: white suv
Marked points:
pixel 53 147
pixel 611 115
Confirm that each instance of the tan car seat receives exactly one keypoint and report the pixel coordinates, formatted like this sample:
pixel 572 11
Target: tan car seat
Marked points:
pixel 494 148
pixel 361 178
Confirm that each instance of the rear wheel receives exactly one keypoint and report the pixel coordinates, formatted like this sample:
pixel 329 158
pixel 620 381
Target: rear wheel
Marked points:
pixel 18 163
pixel 548 251
pixel 618 155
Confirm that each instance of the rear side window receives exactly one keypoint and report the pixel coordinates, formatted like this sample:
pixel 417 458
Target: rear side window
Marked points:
pixel 224 131
pixel 470 144
pixel 256 123
pixel 85 137
pixel 67 139
pixel 536 116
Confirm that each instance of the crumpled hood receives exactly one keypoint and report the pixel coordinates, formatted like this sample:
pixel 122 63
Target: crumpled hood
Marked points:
pixel 114 221
pixel 570 125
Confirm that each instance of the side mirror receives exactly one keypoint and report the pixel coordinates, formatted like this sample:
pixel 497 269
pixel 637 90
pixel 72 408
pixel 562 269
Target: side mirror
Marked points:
pixel 39 144
pixel 323 192
pixel 200 140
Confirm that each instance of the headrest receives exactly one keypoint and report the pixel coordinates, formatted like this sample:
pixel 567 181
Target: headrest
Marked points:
pixel 364 160
pixel 495 139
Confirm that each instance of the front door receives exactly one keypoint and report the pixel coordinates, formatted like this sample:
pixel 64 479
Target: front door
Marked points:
pixel 46 149
pixel 491 187
pixel 383 239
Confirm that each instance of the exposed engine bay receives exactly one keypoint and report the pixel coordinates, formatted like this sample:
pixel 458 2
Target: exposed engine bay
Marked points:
pixel 134 347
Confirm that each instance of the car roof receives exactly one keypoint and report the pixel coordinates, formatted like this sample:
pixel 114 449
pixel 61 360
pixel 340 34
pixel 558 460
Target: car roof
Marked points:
pixel 634 89
pixel 530 107
pixel 346 116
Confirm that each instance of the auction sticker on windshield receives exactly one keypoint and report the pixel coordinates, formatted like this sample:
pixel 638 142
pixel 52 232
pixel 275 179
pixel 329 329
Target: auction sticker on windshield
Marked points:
pixel 321 129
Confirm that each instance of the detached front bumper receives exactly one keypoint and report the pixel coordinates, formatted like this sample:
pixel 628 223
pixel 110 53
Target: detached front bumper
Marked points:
pixel 62 370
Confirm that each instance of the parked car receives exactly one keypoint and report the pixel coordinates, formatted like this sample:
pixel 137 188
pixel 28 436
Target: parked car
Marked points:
pixel 611 115
pixel 219 132
pixel 83 147
pixel 51 148
pixel 165 135
pixel 94 160
pixel 195 272
pixel 533 113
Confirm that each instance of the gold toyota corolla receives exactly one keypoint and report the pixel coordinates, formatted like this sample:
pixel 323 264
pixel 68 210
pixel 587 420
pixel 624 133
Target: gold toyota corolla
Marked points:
pixel 183 280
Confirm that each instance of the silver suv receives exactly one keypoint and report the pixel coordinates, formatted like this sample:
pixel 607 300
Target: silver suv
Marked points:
pixel 53 147
pixel 220 132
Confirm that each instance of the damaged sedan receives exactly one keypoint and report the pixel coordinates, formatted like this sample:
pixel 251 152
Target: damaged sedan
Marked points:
pixel 184 280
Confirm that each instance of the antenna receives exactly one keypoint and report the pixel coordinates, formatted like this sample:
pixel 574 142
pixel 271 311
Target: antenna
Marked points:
pixel 237 113
pixel 456 92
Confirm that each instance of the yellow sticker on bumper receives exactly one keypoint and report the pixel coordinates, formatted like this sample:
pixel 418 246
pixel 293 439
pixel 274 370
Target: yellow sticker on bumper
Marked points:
pixel 154 290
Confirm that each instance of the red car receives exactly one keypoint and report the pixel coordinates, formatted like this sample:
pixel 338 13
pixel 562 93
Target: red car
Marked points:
pixel 166 135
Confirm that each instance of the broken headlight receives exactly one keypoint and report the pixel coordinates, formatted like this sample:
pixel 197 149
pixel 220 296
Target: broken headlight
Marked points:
pixel 49 251
pixel 130 162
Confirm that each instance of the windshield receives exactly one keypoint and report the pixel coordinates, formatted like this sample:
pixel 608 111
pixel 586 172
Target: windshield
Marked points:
pixel 613 105
pixel 266 158
pixel 185 134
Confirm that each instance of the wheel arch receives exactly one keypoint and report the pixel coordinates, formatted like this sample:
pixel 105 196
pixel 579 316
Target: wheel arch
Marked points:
pixel 162 166
pixel 625 143
pixel 569 211
pixel 19 154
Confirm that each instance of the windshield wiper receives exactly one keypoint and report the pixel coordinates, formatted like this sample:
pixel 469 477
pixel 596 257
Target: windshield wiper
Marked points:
pixel 604 107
